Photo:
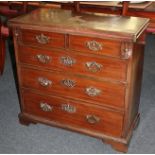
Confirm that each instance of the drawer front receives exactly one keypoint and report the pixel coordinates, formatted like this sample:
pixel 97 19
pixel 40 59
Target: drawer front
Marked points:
pixel 75 63
pixel 72 113
pixel 71 86
pixel 42 39
pixel 95 46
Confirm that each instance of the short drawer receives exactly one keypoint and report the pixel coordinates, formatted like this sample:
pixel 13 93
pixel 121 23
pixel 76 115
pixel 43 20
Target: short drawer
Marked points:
pixel 103 67
pixel 95 46
pixel 73 114
pixel 42 39
pixel 68 85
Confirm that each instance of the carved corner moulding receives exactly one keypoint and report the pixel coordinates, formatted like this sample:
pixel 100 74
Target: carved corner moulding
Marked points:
pixel 126 50
pixel 16 32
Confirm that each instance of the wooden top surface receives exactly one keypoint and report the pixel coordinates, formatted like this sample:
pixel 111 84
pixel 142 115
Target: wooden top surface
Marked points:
pixel 67 21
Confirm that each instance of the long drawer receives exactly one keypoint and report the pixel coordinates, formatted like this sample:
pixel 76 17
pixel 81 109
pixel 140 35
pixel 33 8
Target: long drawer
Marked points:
pixel 102 67
pixel 73 86
pixel 42 39
pixel 71 113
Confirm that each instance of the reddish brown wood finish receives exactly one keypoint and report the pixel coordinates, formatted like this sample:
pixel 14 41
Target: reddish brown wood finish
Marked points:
pixel 111 68
pixel 117 146
pixel 124 10
pixel 25 121
pixel 77 6
pixel 4 32
pixel 2 54
pixel 110 122
pixel 82 24
pixel 109 48
pixel 125 7
pixel 29 79
pixel 117 103
pixel 148 12
pixel 134 87
pixel 29 37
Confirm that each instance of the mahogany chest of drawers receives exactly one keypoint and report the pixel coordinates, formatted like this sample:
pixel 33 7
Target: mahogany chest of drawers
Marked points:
pixel 80 72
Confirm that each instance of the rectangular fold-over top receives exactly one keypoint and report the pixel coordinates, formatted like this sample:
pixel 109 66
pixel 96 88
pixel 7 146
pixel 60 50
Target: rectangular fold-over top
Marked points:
pixel 94 24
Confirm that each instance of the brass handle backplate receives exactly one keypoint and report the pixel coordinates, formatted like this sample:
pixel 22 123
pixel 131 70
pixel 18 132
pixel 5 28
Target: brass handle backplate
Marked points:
pixel 94 45
pixel 44 82
pixel 43 58
pixel 91 91
pixel 93 66
pixel 45 107
pixel 68 108
pixel 42 39
pixel 92 119
pixel 67 61
pixel 68 83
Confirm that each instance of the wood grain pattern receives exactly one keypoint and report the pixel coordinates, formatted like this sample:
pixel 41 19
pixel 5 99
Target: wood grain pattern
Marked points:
pixel 65 21
pixel 114 69
pixel 109 123
pixel 134 87
pixel 105 105
pixel 112 94
pixel 28 37
pixel 109 48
